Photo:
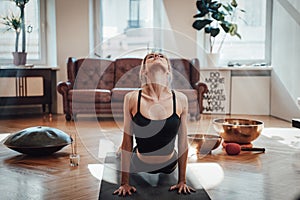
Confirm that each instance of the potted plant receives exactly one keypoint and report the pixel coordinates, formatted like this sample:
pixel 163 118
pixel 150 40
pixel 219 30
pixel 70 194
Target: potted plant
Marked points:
pixel 18 25
pixel 13 22
pixel 215 16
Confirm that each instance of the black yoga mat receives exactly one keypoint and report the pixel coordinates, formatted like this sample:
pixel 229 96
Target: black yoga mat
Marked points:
pixel 149 186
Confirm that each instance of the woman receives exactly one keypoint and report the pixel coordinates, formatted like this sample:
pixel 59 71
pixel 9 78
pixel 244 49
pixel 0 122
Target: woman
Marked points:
pixel 155 115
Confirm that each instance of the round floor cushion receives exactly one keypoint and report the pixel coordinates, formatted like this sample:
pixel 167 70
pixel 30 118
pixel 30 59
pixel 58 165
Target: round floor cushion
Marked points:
pixel 38 140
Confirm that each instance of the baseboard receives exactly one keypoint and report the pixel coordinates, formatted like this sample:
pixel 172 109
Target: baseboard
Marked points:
pixel 20 110
pixel 296 123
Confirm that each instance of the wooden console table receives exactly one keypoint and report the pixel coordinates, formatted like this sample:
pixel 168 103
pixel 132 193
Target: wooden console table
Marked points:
pixel 20 76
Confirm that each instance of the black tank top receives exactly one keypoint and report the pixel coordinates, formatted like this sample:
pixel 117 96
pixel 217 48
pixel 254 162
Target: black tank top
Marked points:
pixel 155 137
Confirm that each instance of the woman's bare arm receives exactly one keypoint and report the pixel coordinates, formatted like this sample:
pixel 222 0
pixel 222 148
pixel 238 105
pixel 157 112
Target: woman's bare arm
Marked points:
pixel 126 149
pixel 182 141
pixel 182 147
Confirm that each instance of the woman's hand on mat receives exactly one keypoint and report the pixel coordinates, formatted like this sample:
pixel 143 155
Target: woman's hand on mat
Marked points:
pixel 125 189
pixel 182 187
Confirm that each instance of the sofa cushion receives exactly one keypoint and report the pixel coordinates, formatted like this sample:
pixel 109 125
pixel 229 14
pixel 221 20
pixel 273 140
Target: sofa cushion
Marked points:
pixel 127 73
pixel 181 73
pixel 94 74
pixel 90 108
pixel 192 100
pixel 90 95
pixel 190 93
pixel 118 94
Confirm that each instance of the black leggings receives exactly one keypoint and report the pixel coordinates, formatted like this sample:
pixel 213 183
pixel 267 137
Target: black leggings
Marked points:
pixel 137 165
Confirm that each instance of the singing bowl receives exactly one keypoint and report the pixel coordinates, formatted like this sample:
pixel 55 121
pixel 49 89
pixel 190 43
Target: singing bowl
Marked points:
pixel 204 143
pixel 242 131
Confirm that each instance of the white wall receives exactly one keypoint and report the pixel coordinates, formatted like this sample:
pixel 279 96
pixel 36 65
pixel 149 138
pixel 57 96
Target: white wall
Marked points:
pixel 179 17
pixel 285 60
pixel 72 35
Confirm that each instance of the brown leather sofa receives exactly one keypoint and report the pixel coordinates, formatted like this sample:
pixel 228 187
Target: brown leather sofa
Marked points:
pixel 97 86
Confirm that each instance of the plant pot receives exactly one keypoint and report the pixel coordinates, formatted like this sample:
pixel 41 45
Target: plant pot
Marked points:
pixel 19 58
pixel 213 59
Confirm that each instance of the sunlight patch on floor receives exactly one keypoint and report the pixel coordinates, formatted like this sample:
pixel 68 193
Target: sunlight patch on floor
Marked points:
pixel 105 146
pixel 207 175
pixel 96 170
pixel 287 136
pixel 3 136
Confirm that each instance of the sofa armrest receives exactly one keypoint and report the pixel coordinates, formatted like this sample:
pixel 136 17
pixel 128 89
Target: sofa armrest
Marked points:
pixel 202 89
pixel 63 88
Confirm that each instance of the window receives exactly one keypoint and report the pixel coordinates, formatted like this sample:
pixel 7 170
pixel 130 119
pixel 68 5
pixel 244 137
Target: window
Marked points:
pixel 254 45
pixel 127 31
pixel 134 14
pixel 34 37
pixel 118 33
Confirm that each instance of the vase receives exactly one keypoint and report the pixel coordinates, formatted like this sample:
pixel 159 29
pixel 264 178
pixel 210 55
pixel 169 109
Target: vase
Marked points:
pixel 213 59
pixel 19 58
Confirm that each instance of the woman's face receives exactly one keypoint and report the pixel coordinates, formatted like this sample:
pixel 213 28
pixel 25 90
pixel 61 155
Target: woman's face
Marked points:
pixel 155 60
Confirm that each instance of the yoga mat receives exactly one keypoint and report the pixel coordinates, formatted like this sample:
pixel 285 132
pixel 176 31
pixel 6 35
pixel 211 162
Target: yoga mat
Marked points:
pixel 149 186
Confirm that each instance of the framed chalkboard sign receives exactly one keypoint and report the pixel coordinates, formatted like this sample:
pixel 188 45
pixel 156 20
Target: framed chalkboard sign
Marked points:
pixel 217 99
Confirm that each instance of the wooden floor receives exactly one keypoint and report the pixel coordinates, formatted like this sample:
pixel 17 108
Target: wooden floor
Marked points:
pixel 274 174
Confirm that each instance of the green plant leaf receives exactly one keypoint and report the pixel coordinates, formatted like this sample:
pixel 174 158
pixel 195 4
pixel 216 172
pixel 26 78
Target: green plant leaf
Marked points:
pixel 233 29
pixel 215 5
pixel 218 16
pixel 225 27
pixel 214 32
pixel 199 15
pixel 20 2
pixel 12 22
pixel 234 3
pixel 200 24
pixel 228 8
pixel 207 29
pixel 238 35
pixel 201 6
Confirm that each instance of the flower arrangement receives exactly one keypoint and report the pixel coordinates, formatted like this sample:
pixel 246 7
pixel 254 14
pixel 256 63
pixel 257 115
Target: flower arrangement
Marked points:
pixel 214 16
pixel 13 22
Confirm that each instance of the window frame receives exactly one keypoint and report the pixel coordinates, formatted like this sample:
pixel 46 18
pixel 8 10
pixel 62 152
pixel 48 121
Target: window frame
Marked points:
pixel 98 38
pixel 42 38
pixel 201 39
